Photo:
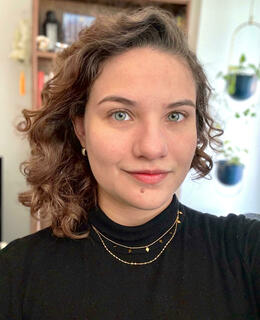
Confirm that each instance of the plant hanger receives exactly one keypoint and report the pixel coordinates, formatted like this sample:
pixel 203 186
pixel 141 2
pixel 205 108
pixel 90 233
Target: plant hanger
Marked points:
pixel 243 25
pixel 242 77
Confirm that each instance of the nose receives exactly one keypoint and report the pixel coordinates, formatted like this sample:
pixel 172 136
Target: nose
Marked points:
pixel 150 141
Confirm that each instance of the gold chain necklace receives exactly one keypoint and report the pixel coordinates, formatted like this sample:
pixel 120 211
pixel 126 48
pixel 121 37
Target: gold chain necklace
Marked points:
pixel 100 235
pixel 141 247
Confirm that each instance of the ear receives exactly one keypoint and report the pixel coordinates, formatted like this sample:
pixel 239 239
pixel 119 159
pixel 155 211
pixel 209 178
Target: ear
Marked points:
pixel 79 129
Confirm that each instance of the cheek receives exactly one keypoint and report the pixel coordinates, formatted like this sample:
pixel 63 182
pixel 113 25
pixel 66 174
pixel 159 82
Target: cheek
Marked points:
pixel 184 148
pixel 104 148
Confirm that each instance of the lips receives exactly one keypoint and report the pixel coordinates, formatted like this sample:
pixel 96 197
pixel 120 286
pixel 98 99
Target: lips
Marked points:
pixel 149 178
pixel 156 171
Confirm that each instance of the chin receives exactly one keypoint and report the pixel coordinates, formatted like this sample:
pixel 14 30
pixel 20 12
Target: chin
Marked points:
pixel 150 202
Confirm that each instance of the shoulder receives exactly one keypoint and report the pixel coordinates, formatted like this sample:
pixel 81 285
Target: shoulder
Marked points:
pixel 232 224
pixel 231 233
pixel 20 249
pixel 37 249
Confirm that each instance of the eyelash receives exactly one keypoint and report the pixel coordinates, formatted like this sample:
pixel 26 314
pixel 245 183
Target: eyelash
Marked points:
pixel 123 111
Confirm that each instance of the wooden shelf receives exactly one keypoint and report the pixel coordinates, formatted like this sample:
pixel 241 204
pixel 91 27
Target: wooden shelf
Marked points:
pixel 46 55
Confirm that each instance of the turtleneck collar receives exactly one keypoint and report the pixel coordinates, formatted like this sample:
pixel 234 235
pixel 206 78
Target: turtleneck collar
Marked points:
pixel 137 235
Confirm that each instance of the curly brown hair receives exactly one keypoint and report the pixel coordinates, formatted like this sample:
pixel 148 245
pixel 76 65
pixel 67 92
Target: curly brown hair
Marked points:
pixel 62 184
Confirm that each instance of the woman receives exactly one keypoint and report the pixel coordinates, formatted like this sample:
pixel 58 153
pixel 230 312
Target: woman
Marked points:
pixel 123 121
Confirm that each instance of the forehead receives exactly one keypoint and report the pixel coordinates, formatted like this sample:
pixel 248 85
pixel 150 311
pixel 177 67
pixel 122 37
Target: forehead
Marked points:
pixel 145 71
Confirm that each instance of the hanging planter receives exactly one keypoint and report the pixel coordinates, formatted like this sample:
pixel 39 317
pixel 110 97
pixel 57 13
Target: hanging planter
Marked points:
pixel 230 170
pixel 241 80
pixel 241 86
pixel 228 173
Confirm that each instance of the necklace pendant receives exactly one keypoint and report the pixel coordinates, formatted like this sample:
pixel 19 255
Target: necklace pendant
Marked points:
pixel 147 249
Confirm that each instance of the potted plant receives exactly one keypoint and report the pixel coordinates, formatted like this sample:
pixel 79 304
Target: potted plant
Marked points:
pixel 241 79
pixel 230 169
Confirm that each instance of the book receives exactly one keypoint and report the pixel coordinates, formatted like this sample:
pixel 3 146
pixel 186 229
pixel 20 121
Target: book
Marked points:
pixel 41 80
pixel 72 24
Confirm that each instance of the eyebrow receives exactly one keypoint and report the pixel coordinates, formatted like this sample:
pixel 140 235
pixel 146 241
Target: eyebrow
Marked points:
pixel 131 103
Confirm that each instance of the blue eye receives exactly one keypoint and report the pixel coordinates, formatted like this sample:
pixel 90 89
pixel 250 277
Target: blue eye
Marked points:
pixel 176 116
pixel 121 115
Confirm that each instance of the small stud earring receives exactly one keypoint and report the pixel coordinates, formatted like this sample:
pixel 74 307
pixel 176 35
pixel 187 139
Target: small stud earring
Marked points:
pixel 84 152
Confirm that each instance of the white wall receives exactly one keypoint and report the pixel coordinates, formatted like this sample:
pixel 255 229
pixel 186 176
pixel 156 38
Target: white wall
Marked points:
pixel 12 148
pixel 218 20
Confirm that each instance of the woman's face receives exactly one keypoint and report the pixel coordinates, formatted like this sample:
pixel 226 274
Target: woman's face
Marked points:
pixel 140 116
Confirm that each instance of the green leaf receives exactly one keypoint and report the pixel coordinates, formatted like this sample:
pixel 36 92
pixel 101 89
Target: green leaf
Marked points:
pixel 242 59
pixel 246 112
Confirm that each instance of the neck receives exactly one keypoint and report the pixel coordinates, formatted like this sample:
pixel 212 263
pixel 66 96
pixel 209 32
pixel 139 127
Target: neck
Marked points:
pixel 138 235
pixel 126 214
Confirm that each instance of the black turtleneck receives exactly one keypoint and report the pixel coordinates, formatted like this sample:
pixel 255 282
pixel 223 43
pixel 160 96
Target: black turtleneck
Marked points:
pixel 157 232
pixel 208 270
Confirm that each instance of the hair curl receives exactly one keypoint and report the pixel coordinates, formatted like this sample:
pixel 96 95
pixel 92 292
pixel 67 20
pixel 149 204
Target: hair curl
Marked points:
pixel 62 184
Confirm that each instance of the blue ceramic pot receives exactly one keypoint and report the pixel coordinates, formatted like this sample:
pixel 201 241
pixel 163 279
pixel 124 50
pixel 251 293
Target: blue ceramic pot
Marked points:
pixel 229 174
pixel 245 86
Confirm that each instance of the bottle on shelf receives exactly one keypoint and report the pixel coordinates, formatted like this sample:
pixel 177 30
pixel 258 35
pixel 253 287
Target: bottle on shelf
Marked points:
pixel 51 29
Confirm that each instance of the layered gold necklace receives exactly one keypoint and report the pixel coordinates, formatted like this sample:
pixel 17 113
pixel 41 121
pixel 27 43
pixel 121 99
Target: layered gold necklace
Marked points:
pixel 147 248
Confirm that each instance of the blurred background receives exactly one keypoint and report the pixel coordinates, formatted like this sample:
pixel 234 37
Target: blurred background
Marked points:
pixel 226 38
